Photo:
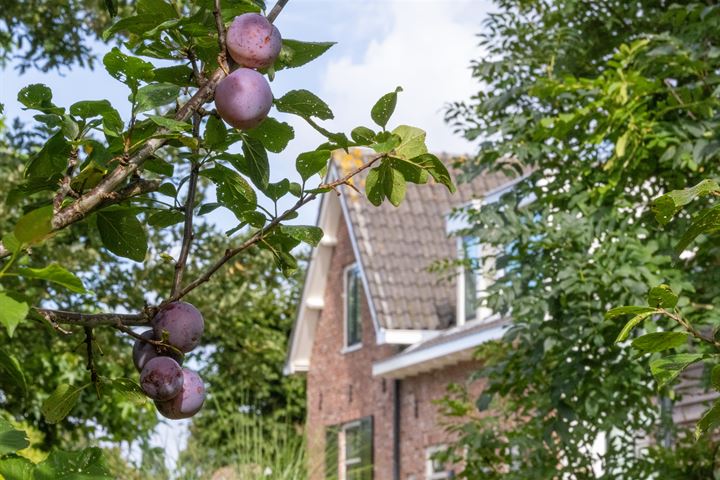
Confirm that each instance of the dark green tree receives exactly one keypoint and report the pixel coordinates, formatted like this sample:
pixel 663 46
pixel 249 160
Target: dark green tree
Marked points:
pixel 603 106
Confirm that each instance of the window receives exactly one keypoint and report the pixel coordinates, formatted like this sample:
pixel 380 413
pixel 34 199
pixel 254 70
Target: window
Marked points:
pixel 353 299
pixel 348 451
pixel 435 468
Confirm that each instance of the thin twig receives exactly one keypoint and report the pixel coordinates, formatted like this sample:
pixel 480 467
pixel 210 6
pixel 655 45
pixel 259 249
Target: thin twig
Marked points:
pixel 686 325
pixel 669 84
pixel 95 319
pixel 276 10
pixel 188 210
pixel 65 182
pixel 157 343
pixel 220 25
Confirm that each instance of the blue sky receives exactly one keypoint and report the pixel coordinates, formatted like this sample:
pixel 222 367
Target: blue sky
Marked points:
pixel 423 45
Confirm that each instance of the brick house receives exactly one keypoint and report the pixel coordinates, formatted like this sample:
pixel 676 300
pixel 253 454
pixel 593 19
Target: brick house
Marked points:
pixel 380 337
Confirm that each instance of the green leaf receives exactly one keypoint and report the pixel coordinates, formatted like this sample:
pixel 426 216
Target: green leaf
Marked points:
pixel 155 95
pixel 715 377
pixel 295 53
pixel 708 221
pixel 305 104
pixel 51 159
pixel 38 97
pixel 385 142
pixel 12 312
pixel 384 108
pixel 59 404
pixel 17 468
pixel 629 310
pixel 659 341
pixel 662 297
pixel 170 123
pixel 373 187
pixel 310 163
pixel 11 440
pixel 233 191
pixel 180 75
pixel 87 464
pixel 411 172
pixel 159 166
pixel 34 226
pixel 436 169
pixel 129 70
pixel 666 369
pixel 632 323
pixel 11 243
pixel 215 132
pixel 412 142
pixel 127 390
pixel 274 135
pixel 11 372
pixel 277 190
pixel 308 234
pixel 56 274
pixel 165 218
pixel 258 168
pixel 362 135
pixel 709 420
pixel 123 234
pixel 666 206
pixel 394 185
pixel 90 108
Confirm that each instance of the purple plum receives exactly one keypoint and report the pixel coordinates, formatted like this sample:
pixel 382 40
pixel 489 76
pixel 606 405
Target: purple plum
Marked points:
pixel 183 324
pixel 243 98
pixel 253 42
pixel 143 351
pixel 161 378
pixel 188 402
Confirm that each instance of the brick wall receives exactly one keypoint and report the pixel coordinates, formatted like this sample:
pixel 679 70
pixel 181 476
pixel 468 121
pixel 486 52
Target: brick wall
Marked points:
pixel 340 386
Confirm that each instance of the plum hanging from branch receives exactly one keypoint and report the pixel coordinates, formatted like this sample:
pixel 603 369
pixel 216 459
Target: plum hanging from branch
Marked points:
pixel 182 323
pixel 252 41
pixel 188 402
pixel 243 98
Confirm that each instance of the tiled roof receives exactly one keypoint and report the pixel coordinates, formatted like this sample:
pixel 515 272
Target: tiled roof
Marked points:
pixel 398 245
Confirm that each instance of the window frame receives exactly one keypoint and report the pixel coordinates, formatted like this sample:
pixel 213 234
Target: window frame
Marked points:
pixel 347 463
pixel 430 472
pixel 345 297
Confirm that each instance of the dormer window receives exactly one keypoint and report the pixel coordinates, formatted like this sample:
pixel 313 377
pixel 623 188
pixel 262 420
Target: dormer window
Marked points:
pixel 353 298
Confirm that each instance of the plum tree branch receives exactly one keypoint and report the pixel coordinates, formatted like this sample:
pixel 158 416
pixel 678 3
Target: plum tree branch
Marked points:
pixel 96 319
pixel 96 198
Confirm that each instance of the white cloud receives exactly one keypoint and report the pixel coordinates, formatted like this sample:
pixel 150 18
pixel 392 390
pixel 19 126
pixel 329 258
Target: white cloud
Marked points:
pixel 427 50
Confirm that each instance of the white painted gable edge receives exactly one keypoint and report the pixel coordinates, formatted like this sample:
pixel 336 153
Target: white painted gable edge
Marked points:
pixel 332 208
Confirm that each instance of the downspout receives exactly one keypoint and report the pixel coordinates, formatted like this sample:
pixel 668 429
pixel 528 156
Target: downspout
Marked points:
pixel 397 403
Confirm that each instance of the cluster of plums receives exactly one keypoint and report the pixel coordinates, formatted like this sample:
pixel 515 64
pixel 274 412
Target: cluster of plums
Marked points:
pixel 178 392
pixel 243 98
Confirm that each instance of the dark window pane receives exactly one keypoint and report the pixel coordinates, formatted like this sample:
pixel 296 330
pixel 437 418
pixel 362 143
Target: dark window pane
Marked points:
pixel 353 296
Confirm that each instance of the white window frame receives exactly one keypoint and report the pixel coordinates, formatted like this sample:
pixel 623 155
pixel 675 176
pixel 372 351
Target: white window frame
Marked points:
pixel 355 346
pixel 430 473
pixel 483 314
pixel 345 462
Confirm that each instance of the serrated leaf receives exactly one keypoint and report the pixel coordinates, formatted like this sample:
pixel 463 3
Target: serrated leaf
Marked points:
pixel 436 169
pixel 295 53
pixel 155 95
pixel 659 341
pixel 373 187
pixel 662 296
pixel 709 420
pixel 394 186
pixel 628 310
pixel 34 226
pixel 666 206
pixel 170 123
pixel 87 464
pixel 59 404
pixel 11 440
pixel 180 75
pixel 274 135
pixel 12 372
pixel 51 159
pixel 310 163
pixel 384 107
pixel 165 218
pixel 56 274
pixel 362 135
pixel 233 191
pixel 126 389
pixel 308 234
pixel 666 369
pixel 258 167
pixel 38 97
pixel 305 104
pixel 412 142
pixel 708 221
pixel 123 234
pixel 632 323
pixel 277 190
pixel 385 142
pixel 129 70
